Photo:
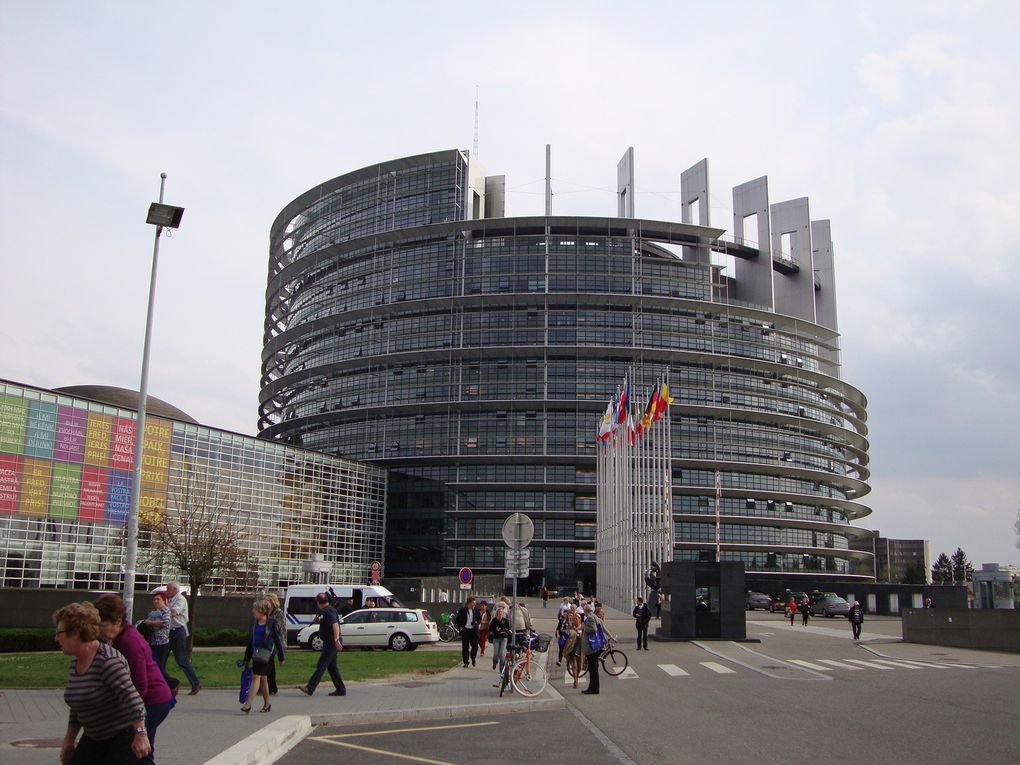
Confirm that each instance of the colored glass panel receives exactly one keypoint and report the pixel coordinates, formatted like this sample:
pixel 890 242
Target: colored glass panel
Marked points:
pixel 118 496
pixel 122 444
pixel 65 489
pixel 98 433
pixel 156 452
pixel 10 478
pixel 35 486
pixel 13 421
pixel 93 494
pixel 41 431
pixel 70 441
pixel 151 506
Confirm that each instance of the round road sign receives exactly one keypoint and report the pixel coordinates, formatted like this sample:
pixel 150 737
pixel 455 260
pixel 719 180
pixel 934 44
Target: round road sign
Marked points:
pixel 466 577
pixel 518 531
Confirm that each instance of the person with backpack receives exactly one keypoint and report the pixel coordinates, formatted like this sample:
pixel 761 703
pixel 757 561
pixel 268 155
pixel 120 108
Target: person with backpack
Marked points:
pixel 856 618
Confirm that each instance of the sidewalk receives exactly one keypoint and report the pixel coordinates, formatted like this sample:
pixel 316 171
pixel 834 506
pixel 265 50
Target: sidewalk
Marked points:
pixel 204 726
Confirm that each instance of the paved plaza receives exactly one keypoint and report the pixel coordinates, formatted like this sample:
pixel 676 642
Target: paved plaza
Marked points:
pixel 798 694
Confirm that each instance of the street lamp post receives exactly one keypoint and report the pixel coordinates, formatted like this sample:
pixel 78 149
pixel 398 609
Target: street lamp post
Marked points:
pixel 162 216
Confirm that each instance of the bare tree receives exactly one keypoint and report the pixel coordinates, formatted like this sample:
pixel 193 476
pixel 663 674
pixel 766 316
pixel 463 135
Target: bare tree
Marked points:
pixel 200 534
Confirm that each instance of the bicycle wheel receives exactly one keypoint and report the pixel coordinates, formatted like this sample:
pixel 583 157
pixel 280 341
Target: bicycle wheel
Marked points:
pixel 504 678
pixel 584 667
pixel 447 633
pixel 528 675
pixel 614 661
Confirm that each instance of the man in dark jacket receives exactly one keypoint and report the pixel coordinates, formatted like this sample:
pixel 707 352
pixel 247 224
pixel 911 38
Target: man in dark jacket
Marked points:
pixel 856 617
pixel 642 615
pixel 467 620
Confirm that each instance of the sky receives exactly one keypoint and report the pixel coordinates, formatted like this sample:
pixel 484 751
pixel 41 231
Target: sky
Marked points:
pixel 900 121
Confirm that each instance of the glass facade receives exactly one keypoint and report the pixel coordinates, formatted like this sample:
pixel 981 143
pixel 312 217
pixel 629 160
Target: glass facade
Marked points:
pixel 473 355
pixel 66 467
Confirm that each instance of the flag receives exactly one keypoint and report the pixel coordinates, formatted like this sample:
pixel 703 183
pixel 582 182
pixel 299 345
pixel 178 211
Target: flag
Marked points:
pixel 606 423
pixel 649 415
pixel 624 404
pixel 631 432
pixel 663 403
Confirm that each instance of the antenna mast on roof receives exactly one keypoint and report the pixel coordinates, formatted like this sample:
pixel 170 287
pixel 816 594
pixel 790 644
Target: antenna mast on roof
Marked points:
pixel 476 122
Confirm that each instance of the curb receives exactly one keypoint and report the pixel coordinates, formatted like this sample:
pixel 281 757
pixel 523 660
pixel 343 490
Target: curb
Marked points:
pixel 267 745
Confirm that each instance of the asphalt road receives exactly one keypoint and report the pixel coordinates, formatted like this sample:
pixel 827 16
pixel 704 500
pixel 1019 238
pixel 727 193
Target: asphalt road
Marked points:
pixel 802 695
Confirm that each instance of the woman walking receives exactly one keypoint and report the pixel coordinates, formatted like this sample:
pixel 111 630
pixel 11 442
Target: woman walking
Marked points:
pixel 263 640
pixel 499 632
pixel 145 672
pixel 572 648
pixel 483 626
pixel 102 698
pixel 277 615
pixel 791 608
pixel 158 622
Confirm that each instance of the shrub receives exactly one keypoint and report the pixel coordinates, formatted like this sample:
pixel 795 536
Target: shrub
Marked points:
pixel 20 639
pixel 225 637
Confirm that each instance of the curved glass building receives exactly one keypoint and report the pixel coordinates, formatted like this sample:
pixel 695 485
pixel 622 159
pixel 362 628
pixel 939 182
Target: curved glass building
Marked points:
pixel 409 323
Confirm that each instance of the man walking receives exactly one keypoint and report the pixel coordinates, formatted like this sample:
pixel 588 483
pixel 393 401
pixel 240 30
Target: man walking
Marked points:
pixel 642 615
pixel 329 634
pixel 467 620
pixel 179 634
pixel 856 618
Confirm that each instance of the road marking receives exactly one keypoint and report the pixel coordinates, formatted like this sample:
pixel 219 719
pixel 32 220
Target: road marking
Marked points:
pixel 840 664
pixel 922 664
pixel 868 664
pixel 717 668
pixel 809 665
pixel 334 740
pixel 603 739
pixel 674 671
pixel 895 664
pixel 627 674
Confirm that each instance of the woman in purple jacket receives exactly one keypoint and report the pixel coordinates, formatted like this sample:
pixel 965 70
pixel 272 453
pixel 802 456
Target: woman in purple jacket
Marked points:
pixel 145 673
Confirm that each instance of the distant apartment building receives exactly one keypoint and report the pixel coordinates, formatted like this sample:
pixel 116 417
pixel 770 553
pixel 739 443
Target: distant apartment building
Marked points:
pixel 892 558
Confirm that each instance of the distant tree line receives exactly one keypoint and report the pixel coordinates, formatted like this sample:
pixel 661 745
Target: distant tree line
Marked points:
pixel 954 569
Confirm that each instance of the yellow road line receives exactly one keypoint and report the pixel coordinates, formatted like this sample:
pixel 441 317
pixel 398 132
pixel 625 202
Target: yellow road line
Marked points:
pixel 333 736
pixel 412 758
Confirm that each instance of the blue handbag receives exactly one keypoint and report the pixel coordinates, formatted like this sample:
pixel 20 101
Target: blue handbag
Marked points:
pixel 597 641
pixel 246 677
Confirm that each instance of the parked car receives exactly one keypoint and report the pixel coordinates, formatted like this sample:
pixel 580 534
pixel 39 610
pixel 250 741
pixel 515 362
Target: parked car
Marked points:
pixel 400 629
pixel 817 595
pixel 757 600
pixel 830 605
pixel 779 602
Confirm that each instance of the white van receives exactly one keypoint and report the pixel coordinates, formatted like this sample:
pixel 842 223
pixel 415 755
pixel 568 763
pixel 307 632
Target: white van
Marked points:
pixel 301 610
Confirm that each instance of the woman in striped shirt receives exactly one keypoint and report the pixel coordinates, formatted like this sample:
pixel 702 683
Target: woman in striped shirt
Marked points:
pixel 99 691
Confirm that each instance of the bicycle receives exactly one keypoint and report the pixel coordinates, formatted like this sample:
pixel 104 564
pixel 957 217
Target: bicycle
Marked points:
pixel 614 661
pixel 523 669
pixel 448 630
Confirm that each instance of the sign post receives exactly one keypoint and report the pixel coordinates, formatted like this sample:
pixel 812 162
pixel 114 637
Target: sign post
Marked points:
pixel 518 531
pixel 466 577
pixel 376 568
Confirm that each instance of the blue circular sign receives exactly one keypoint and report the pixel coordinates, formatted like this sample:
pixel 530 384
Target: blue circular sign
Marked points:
pixel 466 577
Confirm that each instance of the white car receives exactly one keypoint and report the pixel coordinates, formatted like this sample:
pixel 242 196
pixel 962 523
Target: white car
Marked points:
pixel 401 629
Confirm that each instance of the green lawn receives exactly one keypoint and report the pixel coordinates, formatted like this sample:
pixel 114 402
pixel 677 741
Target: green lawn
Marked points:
pixel 217 669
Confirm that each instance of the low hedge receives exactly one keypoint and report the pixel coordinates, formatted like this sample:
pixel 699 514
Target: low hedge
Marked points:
pixel 25 639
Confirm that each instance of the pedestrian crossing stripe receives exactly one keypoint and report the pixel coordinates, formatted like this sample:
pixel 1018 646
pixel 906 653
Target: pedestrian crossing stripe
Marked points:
pixel 921 664
pixel 894 664
pixel 809 665
pixel 717 668
pixel 627 674
pixel 840 665
pixel 674 671
pixel 872 665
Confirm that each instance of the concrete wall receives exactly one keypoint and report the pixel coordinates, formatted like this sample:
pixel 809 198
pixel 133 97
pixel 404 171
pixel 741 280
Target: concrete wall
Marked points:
pixel 20 607
pixel 990 629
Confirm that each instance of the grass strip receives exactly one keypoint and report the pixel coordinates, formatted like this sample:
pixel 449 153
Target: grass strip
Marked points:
pixel 217 669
